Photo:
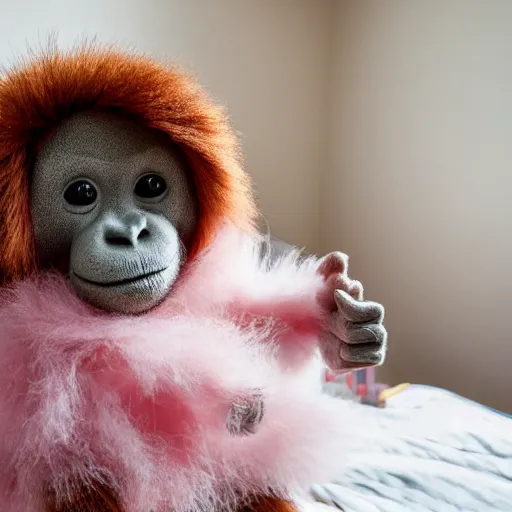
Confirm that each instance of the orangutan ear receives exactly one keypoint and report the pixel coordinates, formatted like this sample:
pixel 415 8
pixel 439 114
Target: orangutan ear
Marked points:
pixel 94 498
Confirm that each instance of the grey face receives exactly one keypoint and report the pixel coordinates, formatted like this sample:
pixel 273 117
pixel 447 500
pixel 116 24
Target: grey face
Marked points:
pixel 116 198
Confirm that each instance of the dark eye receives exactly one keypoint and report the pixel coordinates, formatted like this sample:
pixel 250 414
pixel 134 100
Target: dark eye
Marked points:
pixel 81 193
pixel 150 186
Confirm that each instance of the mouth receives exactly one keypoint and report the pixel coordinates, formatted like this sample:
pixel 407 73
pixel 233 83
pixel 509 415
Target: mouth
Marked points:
pixel 129 280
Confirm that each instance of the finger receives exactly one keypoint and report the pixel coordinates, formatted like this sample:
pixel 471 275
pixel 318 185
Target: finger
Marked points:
pixel 255 413
pixel 333 263
pixel 342 357
pixel 334 282
pixel 356 311
pixel 329 348
pixel 355 290
pixel 354 333
pixel 373 333
pixel 366 354
pixel 245 415
pixel 338 282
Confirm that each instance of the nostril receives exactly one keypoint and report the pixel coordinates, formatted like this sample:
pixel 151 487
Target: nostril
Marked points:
pixel 118 240
pixel 143 234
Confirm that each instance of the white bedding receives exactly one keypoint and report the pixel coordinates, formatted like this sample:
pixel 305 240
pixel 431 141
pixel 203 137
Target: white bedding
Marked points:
pixel 429 450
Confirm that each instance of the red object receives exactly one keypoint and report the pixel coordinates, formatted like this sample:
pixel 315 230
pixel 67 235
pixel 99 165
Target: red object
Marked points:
pixel 362 390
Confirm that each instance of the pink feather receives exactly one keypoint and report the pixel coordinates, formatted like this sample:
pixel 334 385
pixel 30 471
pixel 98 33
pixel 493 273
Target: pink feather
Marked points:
pixel 142 401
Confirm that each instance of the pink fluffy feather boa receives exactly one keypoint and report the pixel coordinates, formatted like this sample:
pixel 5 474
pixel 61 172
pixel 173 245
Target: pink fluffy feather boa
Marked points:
pixel 142 401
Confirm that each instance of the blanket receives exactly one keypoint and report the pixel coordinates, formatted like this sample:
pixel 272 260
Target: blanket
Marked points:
pixel 428 451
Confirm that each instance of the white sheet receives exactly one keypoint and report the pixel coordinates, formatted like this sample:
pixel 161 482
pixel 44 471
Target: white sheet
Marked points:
pixel 429 451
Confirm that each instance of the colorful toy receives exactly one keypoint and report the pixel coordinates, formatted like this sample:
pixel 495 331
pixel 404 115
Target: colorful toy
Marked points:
pixel 364 387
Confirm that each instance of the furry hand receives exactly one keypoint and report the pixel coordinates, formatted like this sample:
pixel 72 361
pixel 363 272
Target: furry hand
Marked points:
pixel 354 336
pixel 246 414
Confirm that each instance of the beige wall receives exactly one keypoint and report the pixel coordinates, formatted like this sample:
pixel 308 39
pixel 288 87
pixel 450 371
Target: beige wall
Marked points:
pixel 266 59
pixel 419 184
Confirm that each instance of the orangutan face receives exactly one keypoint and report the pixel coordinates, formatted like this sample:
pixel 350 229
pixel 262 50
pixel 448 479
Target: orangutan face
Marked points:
pixel 115 197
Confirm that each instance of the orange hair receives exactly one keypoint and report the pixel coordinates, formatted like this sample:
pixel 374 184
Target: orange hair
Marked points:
pixel 102 499
pixel 36 96
pixel 268 504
